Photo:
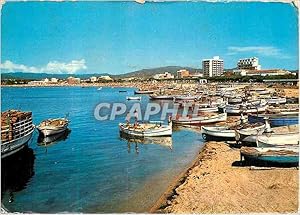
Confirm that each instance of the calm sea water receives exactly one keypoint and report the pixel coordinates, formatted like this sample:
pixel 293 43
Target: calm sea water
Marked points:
pixel 91 169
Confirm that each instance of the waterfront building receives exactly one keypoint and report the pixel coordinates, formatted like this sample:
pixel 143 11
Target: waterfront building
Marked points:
pixel 54 80
pixel 105 78
pixel 267 72
pixel 93 79
pixel 183 73
pixel 165 75
pixel 249 64
pixel 72 80
pixel 196 75
pixel 213 67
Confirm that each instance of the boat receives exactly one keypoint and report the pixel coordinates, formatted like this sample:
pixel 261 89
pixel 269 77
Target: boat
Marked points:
pixel 53 126
pixel 273 155
pixel 284 109
pixel 100 88
pixel 162 97
pixel 276 119
pixel 188 97
pixel 55 138
pixel 200 120
pixel 229 133
pixel 234 100
pixel 243 108
pixel 122 91
pixel 277 140
pixel 143 92
pixel 16 131
pixel 150 129
pixel 133 97
pixel 276 100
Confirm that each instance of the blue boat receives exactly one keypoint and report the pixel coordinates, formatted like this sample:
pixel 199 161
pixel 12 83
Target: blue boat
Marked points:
pixel 276 119
pixel 272 155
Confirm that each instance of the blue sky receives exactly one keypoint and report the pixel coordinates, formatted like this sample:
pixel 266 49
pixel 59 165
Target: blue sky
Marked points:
pixel 119 37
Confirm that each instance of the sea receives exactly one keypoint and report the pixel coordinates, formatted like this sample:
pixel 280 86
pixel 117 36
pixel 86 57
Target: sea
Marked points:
pixel 91 168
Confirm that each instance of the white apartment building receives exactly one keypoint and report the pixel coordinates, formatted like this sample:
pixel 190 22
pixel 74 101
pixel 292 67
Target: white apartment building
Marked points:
pixel 165 75
pixel 249 63
pixel 213 67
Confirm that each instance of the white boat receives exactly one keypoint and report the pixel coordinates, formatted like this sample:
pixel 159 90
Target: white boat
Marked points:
pixel 229 133
pixel 275 140
pixel 151 129
pixel 162 97
pixel 276 100
pixel 200 120
pixel 244 108
pixel 52 126
pixel 133 97
pixel 143 92
pixel 100 88
pixel 16 131
pixel 186 97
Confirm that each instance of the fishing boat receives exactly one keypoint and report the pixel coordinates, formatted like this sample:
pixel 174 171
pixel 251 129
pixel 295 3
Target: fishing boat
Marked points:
pixel 55 138
pixel 276 119
pixel 243 108
pixel 133 98
pixel 151 129
pixel 284 109
pixel 229 133
pixel 276 100
pixel 200 120
pixel 234 100
pixel 143 92
pixel 52 126
pixel 16 131
pixel 277 155
pixel 162 97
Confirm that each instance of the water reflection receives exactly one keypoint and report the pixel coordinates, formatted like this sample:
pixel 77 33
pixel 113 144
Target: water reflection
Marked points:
pixel 16 171
pixel 162 141
pixel 53 139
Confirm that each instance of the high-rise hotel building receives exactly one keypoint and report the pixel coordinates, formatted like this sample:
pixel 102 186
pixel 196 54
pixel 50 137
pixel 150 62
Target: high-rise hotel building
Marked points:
pixel 249 64
pixel 213 67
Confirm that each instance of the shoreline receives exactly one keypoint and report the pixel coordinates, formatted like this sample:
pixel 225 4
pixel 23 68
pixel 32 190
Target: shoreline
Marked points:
pixel 212 172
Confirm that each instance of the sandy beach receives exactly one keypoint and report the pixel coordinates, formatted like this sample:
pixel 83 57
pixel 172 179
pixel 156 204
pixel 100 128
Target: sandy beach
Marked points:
pixel 215 185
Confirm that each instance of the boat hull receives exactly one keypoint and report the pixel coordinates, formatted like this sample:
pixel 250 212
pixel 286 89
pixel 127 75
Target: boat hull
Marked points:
pixel 50 130
pixel 276 119
pixel 10 148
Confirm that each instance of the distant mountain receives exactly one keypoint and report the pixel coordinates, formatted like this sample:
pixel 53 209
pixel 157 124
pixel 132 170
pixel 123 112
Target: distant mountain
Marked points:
pixel 39 76
pixel 144 73
pixel 147 73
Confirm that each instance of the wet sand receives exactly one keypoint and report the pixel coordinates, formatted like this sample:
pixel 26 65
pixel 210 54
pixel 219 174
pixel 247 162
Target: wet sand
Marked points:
pixel 214 184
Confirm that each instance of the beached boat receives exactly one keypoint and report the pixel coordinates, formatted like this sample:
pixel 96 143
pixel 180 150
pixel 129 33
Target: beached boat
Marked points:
pixel 151 129
pixel 276 119
pixel 143 92
pixel 234 100
pixel 162 97
pixel 133 98
pixel 243 108
pixel 229 133
pixel 276 100
pixel 188 97
pixel 16 131
pixel 284 109
pixel 53 126
pixel 200 120
pixel 278 155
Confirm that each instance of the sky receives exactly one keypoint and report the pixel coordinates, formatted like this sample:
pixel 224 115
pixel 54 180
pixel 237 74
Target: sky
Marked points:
pixel 121 37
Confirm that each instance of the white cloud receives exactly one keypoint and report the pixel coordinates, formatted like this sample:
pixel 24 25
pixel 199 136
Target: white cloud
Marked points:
pixel 52 67
pixel 268 51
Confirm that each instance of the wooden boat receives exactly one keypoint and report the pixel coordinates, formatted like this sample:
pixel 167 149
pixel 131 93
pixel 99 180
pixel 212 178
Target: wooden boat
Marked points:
pixel 234 100
pixel 276 100
pixel 276 119
pixel 55 138
pixel 143 92
pixel 284 109
pixel 151 129
pixel 200 120
pixel 16 131
pixel 53 126
pixel 275 140
pixel 229 133
pixel 243 108
pixel 190 98
pixel 162 97
pixel 133 97
pixel 278 155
